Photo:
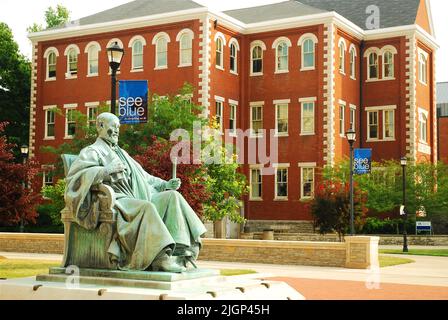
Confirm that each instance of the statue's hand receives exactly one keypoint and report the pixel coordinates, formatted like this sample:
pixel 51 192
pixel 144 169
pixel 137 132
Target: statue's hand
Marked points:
pixel 116 166
pixel 173 184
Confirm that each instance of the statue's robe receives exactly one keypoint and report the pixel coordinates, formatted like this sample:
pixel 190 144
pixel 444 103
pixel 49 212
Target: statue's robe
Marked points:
pixel 150 220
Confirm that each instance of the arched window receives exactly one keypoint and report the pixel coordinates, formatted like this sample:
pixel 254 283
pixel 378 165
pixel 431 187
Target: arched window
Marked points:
pixel 234 48
pixel 308 42
pixel 219 53
pixel 388 64
pixel 137 55
pixel 282 55
pixel 186 50
pixel 257 60
pixel 161 41
pixel 342 48
pixel 92 50
pixel 423 66
pixel 72 52
pixel 51 55
pixel 373 66
pixel 423 119
pixel 353 62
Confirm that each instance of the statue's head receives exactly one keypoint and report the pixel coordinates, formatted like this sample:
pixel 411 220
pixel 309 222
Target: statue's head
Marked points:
pixel 108 127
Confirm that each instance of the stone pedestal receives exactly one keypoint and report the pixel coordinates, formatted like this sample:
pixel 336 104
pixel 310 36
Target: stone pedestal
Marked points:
pixel 90 284
pixel 361 252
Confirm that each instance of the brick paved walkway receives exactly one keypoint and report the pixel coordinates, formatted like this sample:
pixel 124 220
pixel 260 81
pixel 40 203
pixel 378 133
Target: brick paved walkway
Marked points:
pixel 355 290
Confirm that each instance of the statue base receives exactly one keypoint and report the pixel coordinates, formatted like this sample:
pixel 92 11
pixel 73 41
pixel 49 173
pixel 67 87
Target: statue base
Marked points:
pixel 196 284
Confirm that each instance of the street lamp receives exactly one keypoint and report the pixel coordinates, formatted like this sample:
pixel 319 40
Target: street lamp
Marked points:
pixel 404 163
pixel 115 55
pixel 351 137
pixel 24 152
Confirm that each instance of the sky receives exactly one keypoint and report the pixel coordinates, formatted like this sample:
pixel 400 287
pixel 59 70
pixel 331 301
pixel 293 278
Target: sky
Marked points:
pixel 19 14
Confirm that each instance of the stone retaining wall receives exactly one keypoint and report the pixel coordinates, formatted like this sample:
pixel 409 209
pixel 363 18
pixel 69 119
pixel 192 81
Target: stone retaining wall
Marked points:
pixel 356 252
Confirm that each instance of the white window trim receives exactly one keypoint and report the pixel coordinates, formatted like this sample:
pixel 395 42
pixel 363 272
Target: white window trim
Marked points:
pixel 369 139
pixel 233 134
pixel 343 104
pixel 155 41
pixel 310 165
pixel 49 108
pixel 353 49
pixel 179 36
pixel 69 76
pixel 425 54
pixel 384 65
pixel 86 50
pixel 280 166
pixel 254 44
pixel 275 46
pixel 68 107
pixel 46 56
pixel 234 42
pixel 384 125
pixel 342 63
pixel 367 55
pixel 353 108
pixel 381 108
pixel 278 103
pixel 425 113
pixel 303 101
pixel 45 169
pixel 256 167
pixel 302 39
pixel 252 105
pixel 133 40
pixel 221 116
pixel 220 35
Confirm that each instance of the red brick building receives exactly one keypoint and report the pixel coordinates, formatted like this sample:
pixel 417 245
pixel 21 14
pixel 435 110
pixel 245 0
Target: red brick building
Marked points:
pixel 442 121
pixel 310 70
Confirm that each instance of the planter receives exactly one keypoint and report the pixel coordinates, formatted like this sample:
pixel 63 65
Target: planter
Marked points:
pixel 268 234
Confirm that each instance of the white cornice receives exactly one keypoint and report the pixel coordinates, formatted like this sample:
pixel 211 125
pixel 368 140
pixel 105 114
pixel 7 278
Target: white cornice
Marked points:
pixel 238 26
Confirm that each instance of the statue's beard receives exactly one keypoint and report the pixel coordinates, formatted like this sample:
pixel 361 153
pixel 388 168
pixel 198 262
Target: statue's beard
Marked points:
pixel 111 137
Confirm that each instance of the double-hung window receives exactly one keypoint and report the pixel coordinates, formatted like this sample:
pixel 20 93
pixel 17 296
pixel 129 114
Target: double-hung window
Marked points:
pixel 255 184
pixel 281 112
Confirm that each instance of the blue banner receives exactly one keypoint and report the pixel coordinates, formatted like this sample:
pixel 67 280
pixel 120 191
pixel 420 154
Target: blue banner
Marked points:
pixel 133 102
pixel 362 161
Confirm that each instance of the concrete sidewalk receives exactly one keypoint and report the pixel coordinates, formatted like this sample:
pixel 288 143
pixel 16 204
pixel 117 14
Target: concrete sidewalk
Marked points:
pixel 428 271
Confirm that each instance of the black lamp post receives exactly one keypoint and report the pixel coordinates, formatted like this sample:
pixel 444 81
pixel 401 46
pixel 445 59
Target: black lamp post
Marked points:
pixel 115 55
pixel 404 163
pixel 24 152
pixel 351 137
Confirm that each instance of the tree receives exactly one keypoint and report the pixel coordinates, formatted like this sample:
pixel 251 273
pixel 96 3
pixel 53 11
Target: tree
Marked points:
pixel 18 201
pixel 54 17
pixel 15 77
pixel 331 208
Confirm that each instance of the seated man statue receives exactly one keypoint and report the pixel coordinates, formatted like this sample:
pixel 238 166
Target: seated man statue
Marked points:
pixel 157 230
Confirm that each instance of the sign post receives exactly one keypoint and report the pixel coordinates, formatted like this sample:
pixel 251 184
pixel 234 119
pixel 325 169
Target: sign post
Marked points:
pixel 133 102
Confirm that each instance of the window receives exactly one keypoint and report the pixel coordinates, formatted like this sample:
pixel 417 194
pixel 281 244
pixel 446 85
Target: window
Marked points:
pixel 308 54
pixel 255 184
pixel 353 63
pixel 72 63
pixel 257 121
pixel 353 118
pixel 70 124
pixel 389 124
pixel 281 111
pixel 281 187
pixel 219 114
pixel 219 53
pixel 257 60
pixel 233 58
pixel 137 55
pixel 423 124
pixel 307 121
pixel 186 50
pixel 92 50
pixel 51 66
pixel 388 65
pixel 307 183
pixel 342 48
pixel 423 67
pixel 373 66
pixel 48 177
pixel 282 57
pixel 92 114
pixel 161 53
pixel 232 119
pixel 49 124
pixel 372 133
pixel 342 120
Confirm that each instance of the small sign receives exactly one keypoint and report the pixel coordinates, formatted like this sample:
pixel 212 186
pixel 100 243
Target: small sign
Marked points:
pixel 362 161
pixel 133 102
pixel 423 226
pixel 402 212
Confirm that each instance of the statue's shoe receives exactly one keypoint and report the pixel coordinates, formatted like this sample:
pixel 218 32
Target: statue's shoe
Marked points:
pixel 167 264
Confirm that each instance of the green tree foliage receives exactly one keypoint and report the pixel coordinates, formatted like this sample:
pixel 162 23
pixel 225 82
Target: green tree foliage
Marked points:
pixel 55 204
pixel 426 186
pixel 15 77
pixel 331 208
pixel 54 17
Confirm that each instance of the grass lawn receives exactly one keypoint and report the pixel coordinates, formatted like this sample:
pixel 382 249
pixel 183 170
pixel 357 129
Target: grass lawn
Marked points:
pixel 386 261
pixel 10 269
pixel 420 252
